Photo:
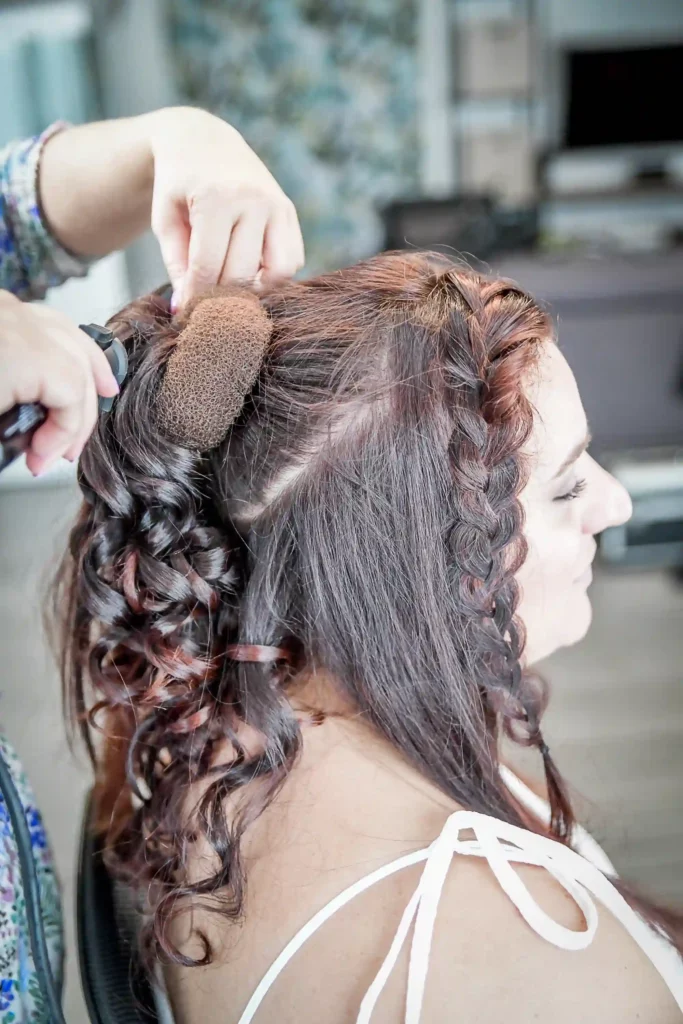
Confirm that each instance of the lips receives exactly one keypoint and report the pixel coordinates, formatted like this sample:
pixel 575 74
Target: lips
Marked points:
pixel 586 577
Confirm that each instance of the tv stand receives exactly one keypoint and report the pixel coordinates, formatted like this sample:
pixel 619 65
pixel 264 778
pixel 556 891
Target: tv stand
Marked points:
pixel 653 172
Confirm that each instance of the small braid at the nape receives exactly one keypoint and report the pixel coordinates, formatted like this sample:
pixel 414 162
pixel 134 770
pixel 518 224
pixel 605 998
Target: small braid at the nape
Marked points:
pixel 486 538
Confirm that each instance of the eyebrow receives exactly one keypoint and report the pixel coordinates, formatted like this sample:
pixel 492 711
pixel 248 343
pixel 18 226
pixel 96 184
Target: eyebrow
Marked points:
pixel 576 452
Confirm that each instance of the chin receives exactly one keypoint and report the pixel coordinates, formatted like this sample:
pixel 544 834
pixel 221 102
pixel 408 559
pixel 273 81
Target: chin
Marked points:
pixel 580 622
pixel 575 623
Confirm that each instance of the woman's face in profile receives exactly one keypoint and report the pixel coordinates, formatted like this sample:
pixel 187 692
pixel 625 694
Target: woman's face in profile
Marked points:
pixel 568 499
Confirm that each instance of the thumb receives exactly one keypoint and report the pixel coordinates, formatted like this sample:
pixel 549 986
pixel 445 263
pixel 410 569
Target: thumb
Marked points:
pixel 171 225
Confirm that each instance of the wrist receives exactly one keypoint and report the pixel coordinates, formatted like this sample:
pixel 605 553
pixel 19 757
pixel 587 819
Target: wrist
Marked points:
pixel 181 125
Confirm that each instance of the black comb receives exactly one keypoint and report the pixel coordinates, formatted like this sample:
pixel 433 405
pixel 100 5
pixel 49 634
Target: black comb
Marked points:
pixel 115 353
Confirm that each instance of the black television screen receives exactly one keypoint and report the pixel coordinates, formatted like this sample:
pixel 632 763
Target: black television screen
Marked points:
pixel 624 97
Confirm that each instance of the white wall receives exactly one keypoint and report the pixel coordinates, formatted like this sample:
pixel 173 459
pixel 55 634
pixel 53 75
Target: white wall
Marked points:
pixel 612 19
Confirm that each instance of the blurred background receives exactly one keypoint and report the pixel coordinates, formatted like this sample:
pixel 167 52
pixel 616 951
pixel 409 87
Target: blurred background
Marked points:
pixel 542 139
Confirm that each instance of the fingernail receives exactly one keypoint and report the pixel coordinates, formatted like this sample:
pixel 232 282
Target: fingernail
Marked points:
pixel 175 302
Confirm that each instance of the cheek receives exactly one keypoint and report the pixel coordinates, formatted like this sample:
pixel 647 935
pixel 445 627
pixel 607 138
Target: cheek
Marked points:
pixel 554 609
pixel 554 550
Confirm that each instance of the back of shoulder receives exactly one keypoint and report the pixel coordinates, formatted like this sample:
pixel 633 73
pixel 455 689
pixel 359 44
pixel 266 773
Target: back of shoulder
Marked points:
pixel 490 964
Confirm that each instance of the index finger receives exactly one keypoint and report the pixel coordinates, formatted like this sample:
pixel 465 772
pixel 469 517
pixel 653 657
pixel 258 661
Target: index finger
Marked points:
pixel 209 242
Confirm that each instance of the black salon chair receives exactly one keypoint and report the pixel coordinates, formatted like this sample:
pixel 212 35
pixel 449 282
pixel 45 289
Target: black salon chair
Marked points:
pixel 116 989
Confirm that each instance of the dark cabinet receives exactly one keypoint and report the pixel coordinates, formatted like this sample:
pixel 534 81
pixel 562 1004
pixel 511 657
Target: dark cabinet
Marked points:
pixel 620 324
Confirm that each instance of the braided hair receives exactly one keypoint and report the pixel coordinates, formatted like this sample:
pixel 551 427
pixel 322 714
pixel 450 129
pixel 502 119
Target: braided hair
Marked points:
pixel 485 383
pixel 361 519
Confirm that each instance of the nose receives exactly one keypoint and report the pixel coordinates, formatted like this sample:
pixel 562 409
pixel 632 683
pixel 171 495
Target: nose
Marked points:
pixel 611 504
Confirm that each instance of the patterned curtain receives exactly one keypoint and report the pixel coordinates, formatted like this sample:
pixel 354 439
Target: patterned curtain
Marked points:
pixel 325 92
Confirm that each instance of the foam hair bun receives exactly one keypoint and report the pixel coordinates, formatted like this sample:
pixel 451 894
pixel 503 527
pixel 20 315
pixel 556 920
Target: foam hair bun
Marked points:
pixel 213 368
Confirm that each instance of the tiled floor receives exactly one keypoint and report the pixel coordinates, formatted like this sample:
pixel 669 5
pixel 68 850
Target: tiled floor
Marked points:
pixel 615 723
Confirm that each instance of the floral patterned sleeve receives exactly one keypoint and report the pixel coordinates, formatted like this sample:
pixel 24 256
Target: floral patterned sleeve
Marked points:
pixel 20 997
pixel 31 258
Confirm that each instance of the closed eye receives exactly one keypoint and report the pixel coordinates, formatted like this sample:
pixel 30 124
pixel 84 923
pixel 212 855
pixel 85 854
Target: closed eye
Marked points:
pixel 578 488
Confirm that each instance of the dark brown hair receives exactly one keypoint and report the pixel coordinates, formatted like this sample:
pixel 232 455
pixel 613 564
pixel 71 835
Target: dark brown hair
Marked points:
pixel 362 517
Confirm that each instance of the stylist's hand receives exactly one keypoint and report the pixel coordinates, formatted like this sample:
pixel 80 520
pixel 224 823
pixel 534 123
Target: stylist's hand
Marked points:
pixel 45 358
pixel 217 211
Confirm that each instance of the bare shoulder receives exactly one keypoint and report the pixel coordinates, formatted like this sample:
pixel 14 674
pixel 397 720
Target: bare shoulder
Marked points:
pixel 487 961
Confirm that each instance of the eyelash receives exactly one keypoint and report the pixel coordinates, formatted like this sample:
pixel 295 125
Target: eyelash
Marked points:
pixel 578 488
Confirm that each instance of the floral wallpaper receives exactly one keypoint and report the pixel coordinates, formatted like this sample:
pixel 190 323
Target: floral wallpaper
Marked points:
pixel 325 92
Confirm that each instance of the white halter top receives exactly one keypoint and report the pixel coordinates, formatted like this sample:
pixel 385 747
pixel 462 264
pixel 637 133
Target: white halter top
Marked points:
pixel 580 871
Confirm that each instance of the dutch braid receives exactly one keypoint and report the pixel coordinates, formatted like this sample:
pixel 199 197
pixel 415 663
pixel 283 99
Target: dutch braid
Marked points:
pixel 485 540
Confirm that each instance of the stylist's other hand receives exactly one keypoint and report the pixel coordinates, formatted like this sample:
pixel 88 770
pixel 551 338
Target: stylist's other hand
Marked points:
pixel 45 358
pixel 217 211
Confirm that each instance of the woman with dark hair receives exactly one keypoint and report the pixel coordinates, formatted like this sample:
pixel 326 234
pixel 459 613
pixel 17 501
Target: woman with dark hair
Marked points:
pixel 325 534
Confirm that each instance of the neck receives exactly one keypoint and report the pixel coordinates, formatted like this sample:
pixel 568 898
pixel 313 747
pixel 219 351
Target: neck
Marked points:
pixel 334 732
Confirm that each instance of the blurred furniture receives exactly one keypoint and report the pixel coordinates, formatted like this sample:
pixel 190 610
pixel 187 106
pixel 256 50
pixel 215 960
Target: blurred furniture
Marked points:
pixel 469 224
pixel 495 85
pixel 620 323
pixel 114 983
pixel 613 168
pixel 464 223
pixel 609 116
pixel 560 105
